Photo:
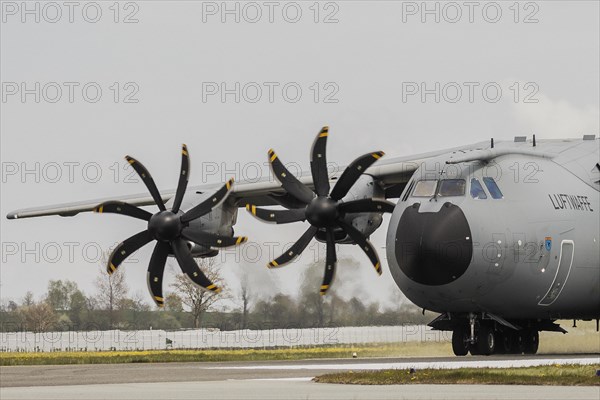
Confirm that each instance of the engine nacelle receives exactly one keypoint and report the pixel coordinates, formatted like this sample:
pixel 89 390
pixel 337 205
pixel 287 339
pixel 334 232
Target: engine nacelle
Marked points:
pixel 219 221
pixel 366 223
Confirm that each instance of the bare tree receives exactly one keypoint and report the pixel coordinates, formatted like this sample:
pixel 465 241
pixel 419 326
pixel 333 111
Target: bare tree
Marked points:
pixel 38 317
pixel 111 291
pixel 199 300
pixel 246 295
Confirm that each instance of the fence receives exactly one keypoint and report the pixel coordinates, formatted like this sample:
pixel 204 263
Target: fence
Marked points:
pixel 214 339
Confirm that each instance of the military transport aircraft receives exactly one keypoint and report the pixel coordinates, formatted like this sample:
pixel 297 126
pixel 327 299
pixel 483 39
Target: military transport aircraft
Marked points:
pixel 501 239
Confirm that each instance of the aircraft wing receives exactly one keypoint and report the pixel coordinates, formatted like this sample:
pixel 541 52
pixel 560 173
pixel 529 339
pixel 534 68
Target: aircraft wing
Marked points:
pixel 391 174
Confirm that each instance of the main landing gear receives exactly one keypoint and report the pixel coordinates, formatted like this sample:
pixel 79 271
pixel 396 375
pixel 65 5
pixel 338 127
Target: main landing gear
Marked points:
pixel 487 337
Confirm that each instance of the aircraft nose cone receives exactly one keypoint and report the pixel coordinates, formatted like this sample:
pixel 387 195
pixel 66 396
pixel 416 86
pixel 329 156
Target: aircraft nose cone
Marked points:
pixel 434 248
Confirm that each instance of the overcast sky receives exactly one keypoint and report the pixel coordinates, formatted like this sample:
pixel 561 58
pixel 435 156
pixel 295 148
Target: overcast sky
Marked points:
pixel 358 66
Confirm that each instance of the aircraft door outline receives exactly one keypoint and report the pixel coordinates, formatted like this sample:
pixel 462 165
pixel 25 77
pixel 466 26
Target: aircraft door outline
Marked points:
pixel 567 254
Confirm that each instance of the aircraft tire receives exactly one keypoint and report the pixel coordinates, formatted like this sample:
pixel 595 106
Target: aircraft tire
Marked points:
pixel 486 340
pixel 506 342
pixel 460 343
pixel 531 341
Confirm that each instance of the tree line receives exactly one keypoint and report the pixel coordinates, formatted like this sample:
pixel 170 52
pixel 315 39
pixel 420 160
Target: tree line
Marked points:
pixel 65 307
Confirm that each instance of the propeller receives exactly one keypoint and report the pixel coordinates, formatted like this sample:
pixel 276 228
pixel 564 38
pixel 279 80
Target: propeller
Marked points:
pixel 171 229
pixel 323 208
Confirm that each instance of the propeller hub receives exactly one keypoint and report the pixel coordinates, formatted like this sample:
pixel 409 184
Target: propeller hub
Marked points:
pixel 165 226
pixel 322 212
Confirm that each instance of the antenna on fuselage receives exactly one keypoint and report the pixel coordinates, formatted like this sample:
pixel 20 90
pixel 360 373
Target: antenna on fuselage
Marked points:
pixel 534 140
pixel 492 142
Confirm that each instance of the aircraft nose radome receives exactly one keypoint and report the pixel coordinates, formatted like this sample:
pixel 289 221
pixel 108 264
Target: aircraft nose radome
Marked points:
pixel 434 248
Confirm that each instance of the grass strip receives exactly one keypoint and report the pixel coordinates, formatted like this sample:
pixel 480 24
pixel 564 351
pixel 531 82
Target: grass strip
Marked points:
pixel 553 375
pixel 167 356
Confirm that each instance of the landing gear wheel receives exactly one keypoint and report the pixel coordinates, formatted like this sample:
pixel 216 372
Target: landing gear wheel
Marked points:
pixel 506 342
pixel 486 341
pixel 530 341
pixel 460 341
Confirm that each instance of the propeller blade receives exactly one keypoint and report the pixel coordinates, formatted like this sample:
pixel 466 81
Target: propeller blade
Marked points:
pixel 296 249
pixel 156 271
pixel 208 205
pixel 277 216
pixel 318 163
pixel 126 248
pixel 330 262
pixel 363 242
pixel 353 172
pixel 148 181
pixel 367 205
pixel 211 239
pixel 184 177
pixel 289 182
pixel 189 266
pixel 118 207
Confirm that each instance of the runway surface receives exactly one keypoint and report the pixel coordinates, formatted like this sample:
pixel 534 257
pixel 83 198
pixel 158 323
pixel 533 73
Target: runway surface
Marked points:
pixel 268 380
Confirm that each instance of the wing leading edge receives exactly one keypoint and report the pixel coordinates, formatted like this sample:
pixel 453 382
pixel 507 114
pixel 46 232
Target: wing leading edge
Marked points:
pixel 265 192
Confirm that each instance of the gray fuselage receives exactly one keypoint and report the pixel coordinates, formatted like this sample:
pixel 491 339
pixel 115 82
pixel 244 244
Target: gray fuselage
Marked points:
pixel 532 252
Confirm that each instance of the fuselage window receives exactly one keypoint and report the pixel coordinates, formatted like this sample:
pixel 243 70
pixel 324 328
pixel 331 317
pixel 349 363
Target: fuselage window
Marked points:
pixel 452 187
pixel 493 188
pixel 425 189
pixel 477 191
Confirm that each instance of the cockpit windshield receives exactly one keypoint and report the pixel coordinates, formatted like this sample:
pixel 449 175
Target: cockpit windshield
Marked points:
pixel 443 188
pixel 425 189
pixel 452 187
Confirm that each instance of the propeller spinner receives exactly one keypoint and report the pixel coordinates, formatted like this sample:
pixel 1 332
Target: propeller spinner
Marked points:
pixel 323 208
pixel 171 229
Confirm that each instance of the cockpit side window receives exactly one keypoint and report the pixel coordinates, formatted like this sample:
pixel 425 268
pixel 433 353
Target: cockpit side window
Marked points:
pixel 425 189
pixel 452 187
pixel 493 188
pixel 477 191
